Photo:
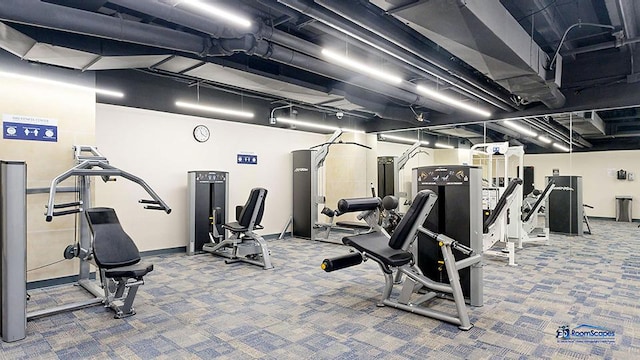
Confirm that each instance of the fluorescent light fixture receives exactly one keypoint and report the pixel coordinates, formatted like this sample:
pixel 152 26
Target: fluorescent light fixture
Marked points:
pixel 443 146
pixel 544 139
pixel 519 128
pixel 60 83
pixel 361 67
pixel 400 138
pixel 315 125
pixel 218 12
pixel 451 101
pixel 214 109
pixel 561 147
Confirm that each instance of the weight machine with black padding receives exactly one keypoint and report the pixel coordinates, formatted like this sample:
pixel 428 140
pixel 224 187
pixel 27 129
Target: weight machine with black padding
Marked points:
pixel 457 215
pixel 394 254
pixel 208 192
pixel 89 163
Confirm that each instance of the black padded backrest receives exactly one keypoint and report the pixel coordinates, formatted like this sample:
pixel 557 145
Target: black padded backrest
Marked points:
pixel 402 231
pixel 251 206
pixel 534 209
pixel 112 247
pixel 502 202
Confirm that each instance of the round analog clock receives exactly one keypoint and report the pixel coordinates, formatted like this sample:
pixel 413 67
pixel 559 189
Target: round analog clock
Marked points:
pixel 201 133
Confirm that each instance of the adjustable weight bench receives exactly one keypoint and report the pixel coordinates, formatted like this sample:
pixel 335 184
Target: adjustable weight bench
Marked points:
pixel 118 261
pixel 394 254
pixel 530 218
pixel 495 227
pixel 244 244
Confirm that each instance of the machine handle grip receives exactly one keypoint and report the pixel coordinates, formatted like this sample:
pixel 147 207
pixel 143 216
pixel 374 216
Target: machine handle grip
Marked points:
pixel 145 201
pixel 65 205
pixel 149 207
pixel 64 212
pixel 462 248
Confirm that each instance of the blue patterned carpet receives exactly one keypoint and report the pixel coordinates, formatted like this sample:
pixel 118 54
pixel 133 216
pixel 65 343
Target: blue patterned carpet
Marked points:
pixel 200 308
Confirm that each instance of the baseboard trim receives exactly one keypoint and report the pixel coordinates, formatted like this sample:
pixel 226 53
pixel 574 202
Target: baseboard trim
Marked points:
pixel 157 252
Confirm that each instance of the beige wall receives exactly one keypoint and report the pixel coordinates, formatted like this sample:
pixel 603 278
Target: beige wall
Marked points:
pixel 347 172
pixel 159 148
pixel 74 111
pixel 597 169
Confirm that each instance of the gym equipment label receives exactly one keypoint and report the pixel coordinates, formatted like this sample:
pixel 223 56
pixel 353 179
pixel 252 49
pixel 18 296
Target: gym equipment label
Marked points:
pixel 18 127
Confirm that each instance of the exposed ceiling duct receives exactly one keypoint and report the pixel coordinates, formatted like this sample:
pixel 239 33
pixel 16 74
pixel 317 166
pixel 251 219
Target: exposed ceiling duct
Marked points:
pixel 487 37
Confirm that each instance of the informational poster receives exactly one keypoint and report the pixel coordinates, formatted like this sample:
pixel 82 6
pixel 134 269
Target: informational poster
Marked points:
pixel 20 127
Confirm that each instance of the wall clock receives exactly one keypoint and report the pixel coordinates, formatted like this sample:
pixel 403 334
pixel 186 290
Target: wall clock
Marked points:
pixel 201 133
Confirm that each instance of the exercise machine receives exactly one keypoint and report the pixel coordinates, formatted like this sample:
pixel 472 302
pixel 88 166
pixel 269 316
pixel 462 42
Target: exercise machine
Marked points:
pixel 121 271
pixel 389 168
pixel 208 211
pixel 244 244
pixel 306 201
pixel 501 163
pixel 494 228
pixel 530 216
pixel 13 191
pixel 565 210
pixel 457 215
pixel 394 254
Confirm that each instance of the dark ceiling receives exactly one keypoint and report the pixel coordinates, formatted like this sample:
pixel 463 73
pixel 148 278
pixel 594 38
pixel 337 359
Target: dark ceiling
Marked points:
pixel 495 55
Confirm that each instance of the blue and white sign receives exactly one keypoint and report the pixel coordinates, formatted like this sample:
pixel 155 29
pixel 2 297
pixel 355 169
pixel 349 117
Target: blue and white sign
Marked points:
pixel 250 159
pixel 18 127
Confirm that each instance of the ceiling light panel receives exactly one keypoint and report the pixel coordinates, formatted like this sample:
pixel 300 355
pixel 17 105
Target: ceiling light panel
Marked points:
pixel 439 96
pixel 105 92
pixel 313 125
pixel 561 147
pixel 361 67
pixel 404 139
pixel 214 109
pixel 519 128
pixel 444 146
pixel 218 12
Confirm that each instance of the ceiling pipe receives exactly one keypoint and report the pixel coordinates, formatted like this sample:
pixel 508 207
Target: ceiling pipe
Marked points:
pixel 384 38
pixel 42 14
pixel 559 133
pixel 295 43
pixel 250 45
pixel 575 137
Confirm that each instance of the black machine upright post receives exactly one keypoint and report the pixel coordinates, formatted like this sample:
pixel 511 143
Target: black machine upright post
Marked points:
pixel 208 207
pixel 456 214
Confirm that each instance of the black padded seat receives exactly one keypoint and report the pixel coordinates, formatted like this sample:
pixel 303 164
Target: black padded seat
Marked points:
pixel 113 249
pixel 235 227
pixel 136 271
pixel 245 213
pixel 377 245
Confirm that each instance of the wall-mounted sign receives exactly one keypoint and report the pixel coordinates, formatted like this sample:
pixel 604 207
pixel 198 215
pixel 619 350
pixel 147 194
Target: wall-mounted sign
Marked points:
pixel 19 127
pixel 556 172
pixel 250 159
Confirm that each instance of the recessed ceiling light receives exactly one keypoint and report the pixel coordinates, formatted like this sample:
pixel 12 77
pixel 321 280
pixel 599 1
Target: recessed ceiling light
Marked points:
pixel 519 128
pixel 218 12
pixel 404 139
pixel 105 92
pixel 361 67
pixel 561 147
pixel 214 109
pixel 315 125
pixel 437 95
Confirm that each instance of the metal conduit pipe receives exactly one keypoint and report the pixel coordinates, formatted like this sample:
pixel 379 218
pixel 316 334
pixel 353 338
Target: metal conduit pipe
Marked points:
pixel 549 129
pixel 396 44
pixel 42 14
pixel 241 43
pixel 290 57
pixel 576 138
pixel 298 44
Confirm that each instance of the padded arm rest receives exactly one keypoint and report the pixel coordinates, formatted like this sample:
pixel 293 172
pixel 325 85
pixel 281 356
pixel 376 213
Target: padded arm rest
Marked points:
pixel 358 204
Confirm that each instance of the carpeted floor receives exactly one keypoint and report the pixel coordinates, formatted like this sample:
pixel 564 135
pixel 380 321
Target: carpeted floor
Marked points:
pixel 201 308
